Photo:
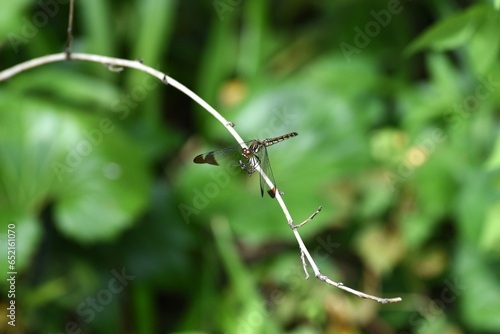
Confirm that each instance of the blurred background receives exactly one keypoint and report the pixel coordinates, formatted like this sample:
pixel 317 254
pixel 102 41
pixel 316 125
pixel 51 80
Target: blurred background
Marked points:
pixel 117 231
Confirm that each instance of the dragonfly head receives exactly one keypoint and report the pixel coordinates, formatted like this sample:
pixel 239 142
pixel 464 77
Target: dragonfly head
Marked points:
pixel 246 152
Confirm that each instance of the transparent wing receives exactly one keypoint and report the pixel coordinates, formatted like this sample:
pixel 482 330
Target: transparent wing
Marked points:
pixel 266 167
pixel 229 156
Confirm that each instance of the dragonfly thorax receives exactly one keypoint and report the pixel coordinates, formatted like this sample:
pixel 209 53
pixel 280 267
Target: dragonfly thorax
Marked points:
pixel 255 146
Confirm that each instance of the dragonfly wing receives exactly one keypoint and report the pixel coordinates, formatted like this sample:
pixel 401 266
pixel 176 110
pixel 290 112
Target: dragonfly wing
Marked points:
pixel 266 168
pixel 229 156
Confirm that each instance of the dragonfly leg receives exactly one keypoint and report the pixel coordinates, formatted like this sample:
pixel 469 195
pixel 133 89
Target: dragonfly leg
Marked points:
pixel 251 165
pixel 242 165
pixel 254 161
pixel 245 166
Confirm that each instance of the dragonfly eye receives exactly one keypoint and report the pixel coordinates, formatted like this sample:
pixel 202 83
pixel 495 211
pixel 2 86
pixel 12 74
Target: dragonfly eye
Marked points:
pixel 246 152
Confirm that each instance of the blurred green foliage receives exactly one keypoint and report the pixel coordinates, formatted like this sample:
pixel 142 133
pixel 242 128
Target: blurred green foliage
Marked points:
pixel 396 105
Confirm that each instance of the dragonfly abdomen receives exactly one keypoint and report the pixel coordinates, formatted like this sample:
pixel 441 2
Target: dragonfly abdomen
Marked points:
pixel 272 141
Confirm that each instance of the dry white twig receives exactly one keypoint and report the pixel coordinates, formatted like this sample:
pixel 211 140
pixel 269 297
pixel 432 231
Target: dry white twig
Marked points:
pixel 311 217
pixel 114 63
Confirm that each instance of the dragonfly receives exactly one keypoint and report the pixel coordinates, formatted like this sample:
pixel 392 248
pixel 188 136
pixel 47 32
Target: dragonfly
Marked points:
pixel 247 158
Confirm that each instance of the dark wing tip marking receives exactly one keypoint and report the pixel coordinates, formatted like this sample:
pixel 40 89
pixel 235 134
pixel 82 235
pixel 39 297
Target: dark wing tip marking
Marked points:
pixel 199 159
pixel 205 159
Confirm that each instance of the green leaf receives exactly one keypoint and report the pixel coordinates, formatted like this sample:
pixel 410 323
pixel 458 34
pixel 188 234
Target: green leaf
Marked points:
pixel 92 171
pixel 11 27
pixel 153 16
pixel 427 101
pixel 104 192
pixel 25 231
pixel 97 28
pixel 416 228
pixel 476 284
pixel 449 33
pixel 490 239
pixel 472 204
pixel 245 291
pixel 79 89
pixel 484 45
pixel 493 161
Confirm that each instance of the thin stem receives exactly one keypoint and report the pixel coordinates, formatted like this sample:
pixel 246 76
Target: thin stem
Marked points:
pixel 69 38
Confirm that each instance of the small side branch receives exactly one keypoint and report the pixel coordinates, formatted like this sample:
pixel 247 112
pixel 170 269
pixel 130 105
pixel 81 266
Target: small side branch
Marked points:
pixel 304 254
pixel 311 217
pixel 69 38
pixel 360 294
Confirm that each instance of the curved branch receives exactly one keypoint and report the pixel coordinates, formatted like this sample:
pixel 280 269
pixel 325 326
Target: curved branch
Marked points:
pixel 111 62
